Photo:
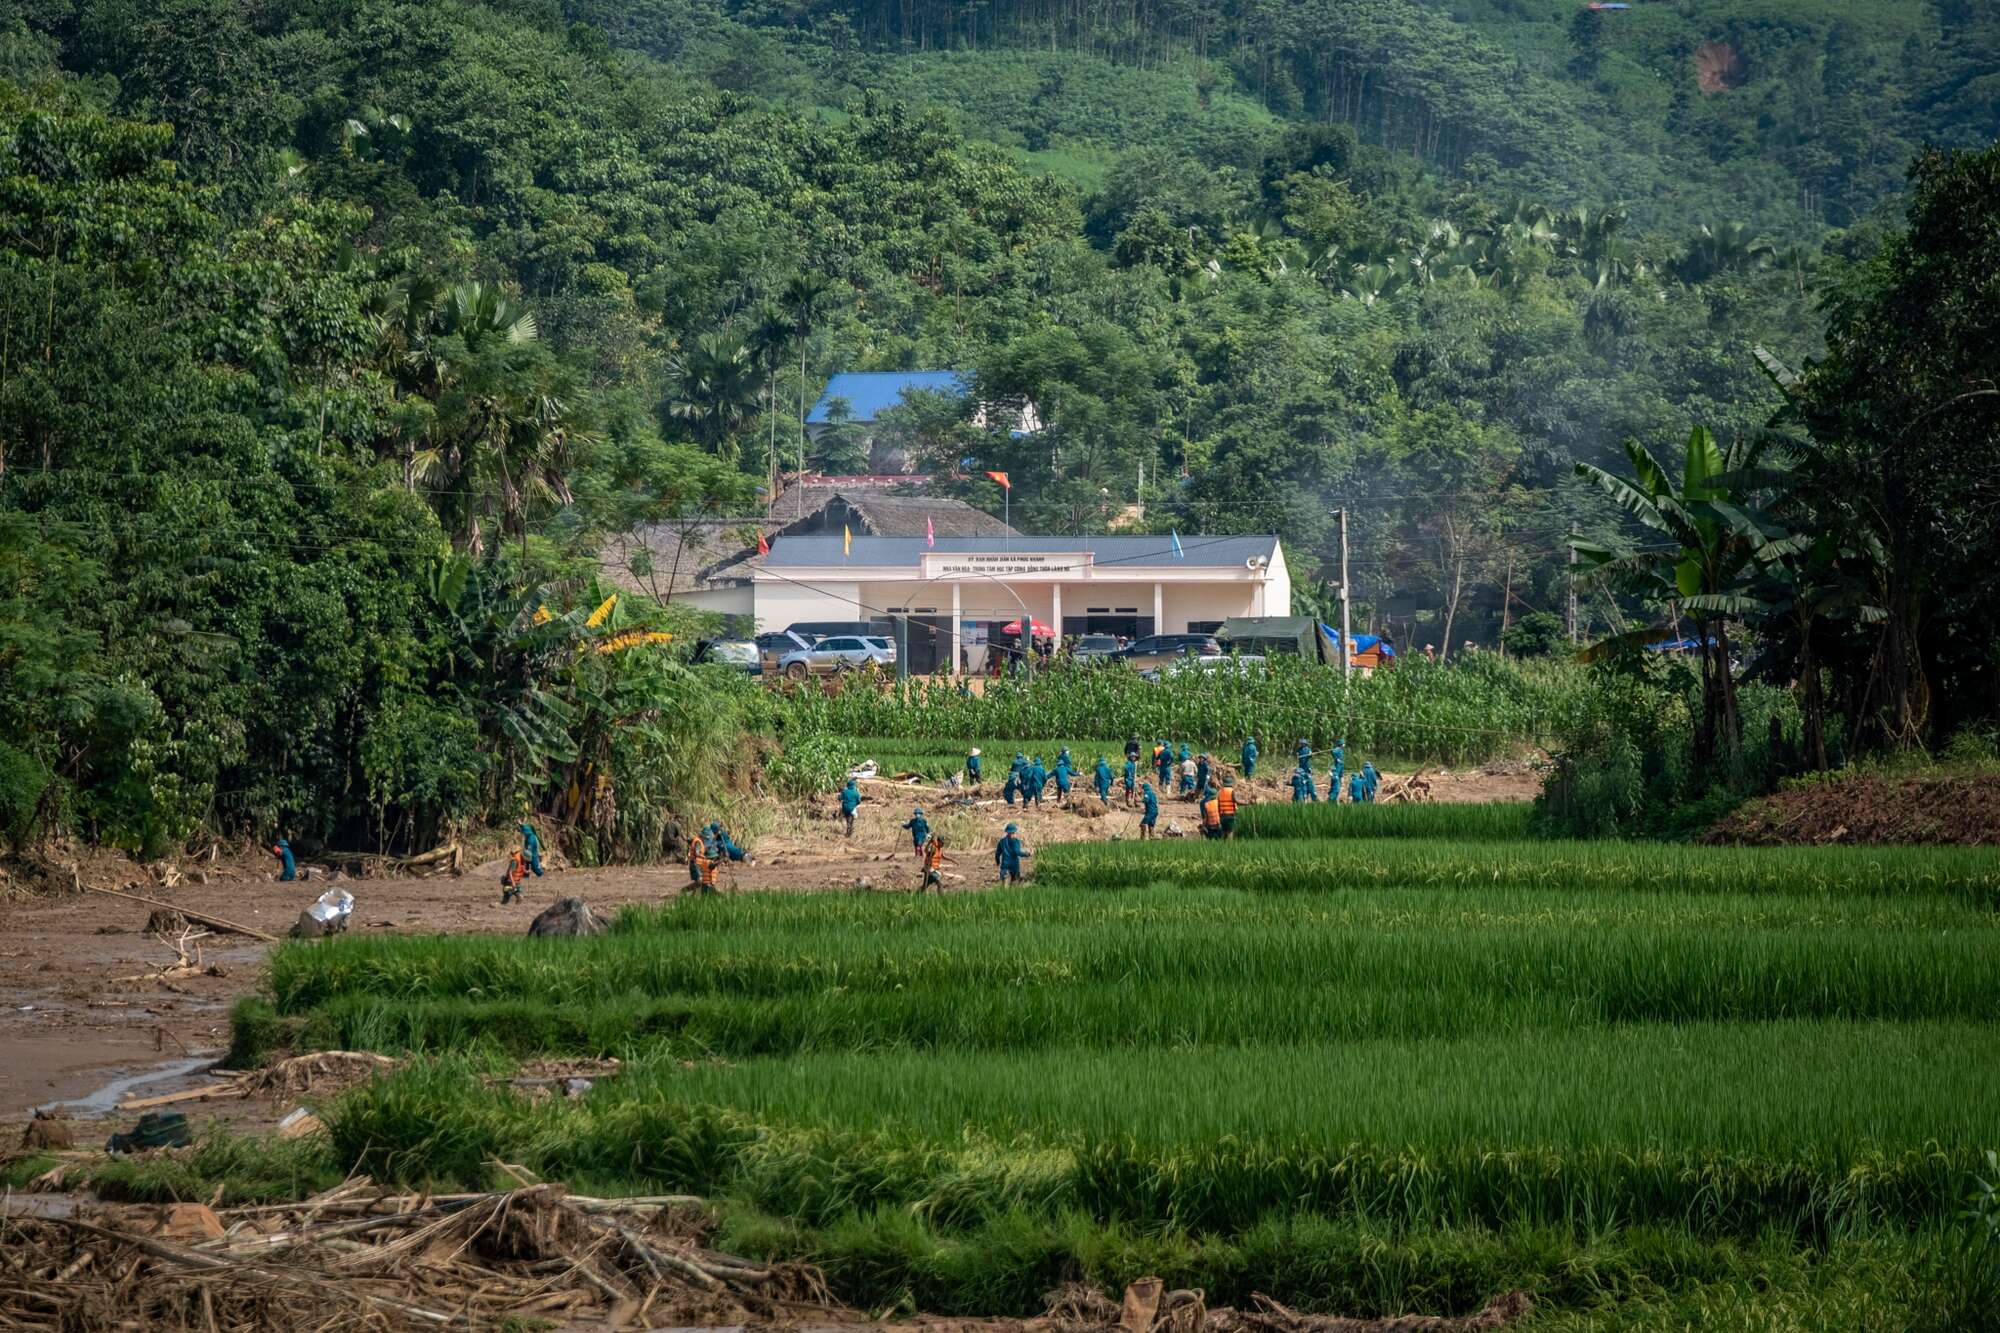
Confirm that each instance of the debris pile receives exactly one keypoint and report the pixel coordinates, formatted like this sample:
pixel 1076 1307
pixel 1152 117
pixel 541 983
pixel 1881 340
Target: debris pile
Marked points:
pixel 359 1255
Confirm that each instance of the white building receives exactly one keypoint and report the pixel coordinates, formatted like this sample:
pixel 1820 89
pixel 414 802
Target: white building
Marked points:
pixel 961 590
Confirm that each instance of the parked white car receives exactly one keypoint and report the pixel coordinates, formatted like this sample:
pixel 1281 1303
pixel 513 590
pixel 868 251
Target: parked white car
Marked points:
pixel 840 653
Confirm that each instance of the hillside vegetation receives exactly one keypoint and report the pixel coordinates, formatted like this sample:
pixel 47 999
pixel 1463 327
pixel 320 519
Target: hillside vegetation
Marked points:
pixel 338 333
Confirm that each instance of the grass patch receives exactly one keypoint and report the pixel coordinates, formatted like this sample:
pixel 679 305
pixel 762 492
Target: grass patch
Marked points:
pixel 1498 821
pixel 1968 873
pixel 774 975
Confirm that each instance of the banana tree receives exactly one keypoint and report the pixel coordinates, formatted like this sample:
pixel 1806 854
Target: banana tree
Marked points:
pixel 1702 569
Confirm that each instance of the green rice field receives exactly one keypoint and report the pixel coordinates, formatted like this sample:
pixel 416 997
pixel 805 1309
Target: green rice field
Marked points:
pixel 1497 821
pixel 1363 1074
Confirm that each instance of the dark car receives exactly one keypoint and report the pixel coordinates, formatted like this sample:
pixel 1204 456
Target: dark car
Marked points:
pixel 1159 649
pixel 1094 645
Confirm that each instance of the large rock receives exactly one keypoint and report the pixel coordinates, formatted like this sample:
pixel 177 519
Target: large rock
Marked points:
pixel 566 917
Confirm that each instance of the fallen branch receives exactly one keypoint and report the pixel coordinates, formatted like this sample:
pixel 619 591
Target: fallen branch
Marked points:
pixel 213 922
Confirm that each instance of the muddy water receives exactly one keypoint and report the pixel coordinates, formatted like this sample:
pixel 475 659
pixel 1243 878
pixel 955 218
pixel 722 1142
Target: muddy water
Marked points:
pixel 103 1101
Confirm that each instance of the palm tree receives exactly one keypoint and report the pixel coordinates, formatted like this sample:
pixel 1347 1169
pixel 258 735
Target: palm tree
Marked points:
pixel 805 298
pixel 494 432
pixel 716 387
pixel 1713 544
pixel 769 334
pixel 1728 248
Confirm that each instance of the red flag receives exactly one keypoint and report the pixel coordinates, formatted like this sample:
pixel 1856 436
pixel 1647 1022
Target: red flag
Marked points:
pixel 1001 477
pixel 763 546
pixel 930 532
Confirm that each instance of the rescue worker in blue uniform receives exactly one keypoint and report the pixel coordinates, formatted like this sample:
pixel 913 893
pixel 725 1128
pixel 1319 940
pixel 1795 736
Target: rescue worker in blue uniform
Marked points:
pixel 1007 854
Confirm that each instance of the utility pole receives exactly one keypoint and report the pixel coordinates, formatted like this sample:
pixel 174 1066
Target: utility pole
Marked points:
pixel 1346 656
pixel 1572 584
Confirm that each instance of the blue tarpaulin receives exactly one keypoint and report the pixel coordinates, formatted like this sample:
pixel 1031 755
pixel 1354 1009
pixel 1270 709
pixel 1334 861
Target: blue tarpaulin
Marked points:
pixel 1362 643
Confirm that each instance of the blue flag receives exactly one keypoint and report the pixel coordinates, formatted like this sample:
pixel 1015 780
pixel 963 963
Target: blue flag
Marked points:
pixel 1179 554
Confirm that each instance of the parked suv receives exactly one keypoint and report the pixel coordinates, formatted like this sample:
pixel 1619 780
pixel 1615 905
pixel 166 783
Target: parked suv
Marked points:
pixel 1160 649
pixel 839 653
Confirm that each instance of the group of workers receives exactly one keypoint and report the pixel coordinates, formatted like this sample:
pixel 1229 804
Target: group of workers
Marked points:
pixel 1028 780
pixel 1361 784
pixel 707 852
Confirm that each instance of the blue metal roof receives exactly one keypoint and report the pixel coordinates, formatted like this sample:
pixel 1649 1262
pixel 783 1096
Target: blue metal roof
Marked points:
pixel 908 552
pixel 869 393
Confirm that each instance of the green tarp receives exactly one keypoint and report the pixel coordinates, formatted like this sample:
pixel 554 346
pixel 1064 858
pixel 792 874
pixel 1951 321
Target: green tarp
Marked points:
pixel 1272 636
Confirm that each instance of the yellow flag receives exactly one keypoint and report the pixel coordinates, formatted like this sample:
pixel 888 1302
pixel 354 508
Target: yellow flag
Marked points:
pixel 846 541
pixel 597 616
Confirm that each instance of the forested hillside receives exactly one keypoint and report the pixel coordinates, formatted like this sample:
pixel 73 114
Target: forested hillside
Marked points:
pixel 337 332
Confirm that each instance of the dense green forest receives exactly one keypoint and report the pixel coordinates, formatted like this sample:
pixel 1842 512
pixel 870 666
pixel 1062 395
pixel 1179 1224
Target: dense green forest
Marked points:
pixel 336 331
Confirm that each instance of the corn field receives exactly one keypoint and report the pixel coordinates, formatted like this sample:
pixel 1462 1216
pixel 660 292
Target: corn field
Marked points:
pixel 1421 713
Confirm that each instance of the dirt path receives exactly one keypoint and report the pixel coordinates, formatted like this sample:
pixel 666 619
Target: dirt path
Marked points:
pixel 78 1014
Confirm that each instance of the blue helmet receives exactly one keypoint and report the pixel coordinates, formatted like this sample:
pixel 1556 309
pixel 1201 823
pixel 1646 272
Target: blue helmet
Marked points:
pixel 1013 828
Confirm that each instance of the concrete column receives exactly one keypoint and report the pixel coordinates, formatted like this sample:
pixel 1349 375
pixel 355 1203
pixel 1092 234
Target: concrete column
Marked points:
pixel 957 632
pixel 1055 609
pixel 1159 608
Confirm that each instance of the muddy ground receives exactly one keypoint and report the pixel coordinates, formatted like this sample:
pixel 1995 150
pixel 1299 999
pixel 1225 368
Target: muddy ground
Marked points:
pixel 86 1021
pixel 1872 809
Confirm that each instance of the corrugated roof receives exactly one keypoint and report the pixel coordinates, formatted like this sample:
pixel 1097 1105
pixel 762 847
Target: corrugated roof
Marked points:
pixel 908 552
pixel 869 393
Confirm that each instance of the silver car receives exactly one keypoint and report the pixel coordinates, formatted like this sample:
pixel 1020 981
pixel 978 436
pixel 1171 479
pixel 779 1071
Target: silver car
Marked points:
pixel 844 652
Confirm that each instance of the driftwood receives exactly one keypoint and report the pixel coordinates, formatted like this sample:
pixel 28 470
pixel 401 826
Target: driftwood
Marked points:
pixel 359 1256
pixel 450 857
pixel 212 922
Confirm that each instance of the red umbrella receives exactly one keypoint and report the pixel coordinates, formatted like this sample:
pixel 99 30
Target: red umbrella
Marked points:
pixel 1041 631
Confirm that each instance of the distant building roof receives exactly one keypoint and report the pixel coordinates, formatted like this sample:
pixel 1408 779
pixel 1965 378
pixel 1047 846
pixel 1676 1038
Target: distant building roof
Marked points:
pixel 869 393
pixel 689 555
pixel 900 552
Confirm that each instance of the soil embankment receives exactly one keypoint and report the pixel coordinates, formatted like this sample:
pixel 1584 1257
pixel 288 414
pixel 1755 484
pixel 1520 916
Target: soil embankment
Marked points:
pixel 1871 809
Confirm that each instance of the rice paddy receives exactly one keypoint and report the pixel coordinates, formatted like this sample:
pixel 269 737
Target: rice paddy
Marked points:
pixel 1366 1071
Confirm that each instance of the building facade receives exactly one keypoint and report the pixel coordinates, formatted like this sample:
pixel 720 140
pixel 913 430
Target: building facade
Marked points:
pixel 959 593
